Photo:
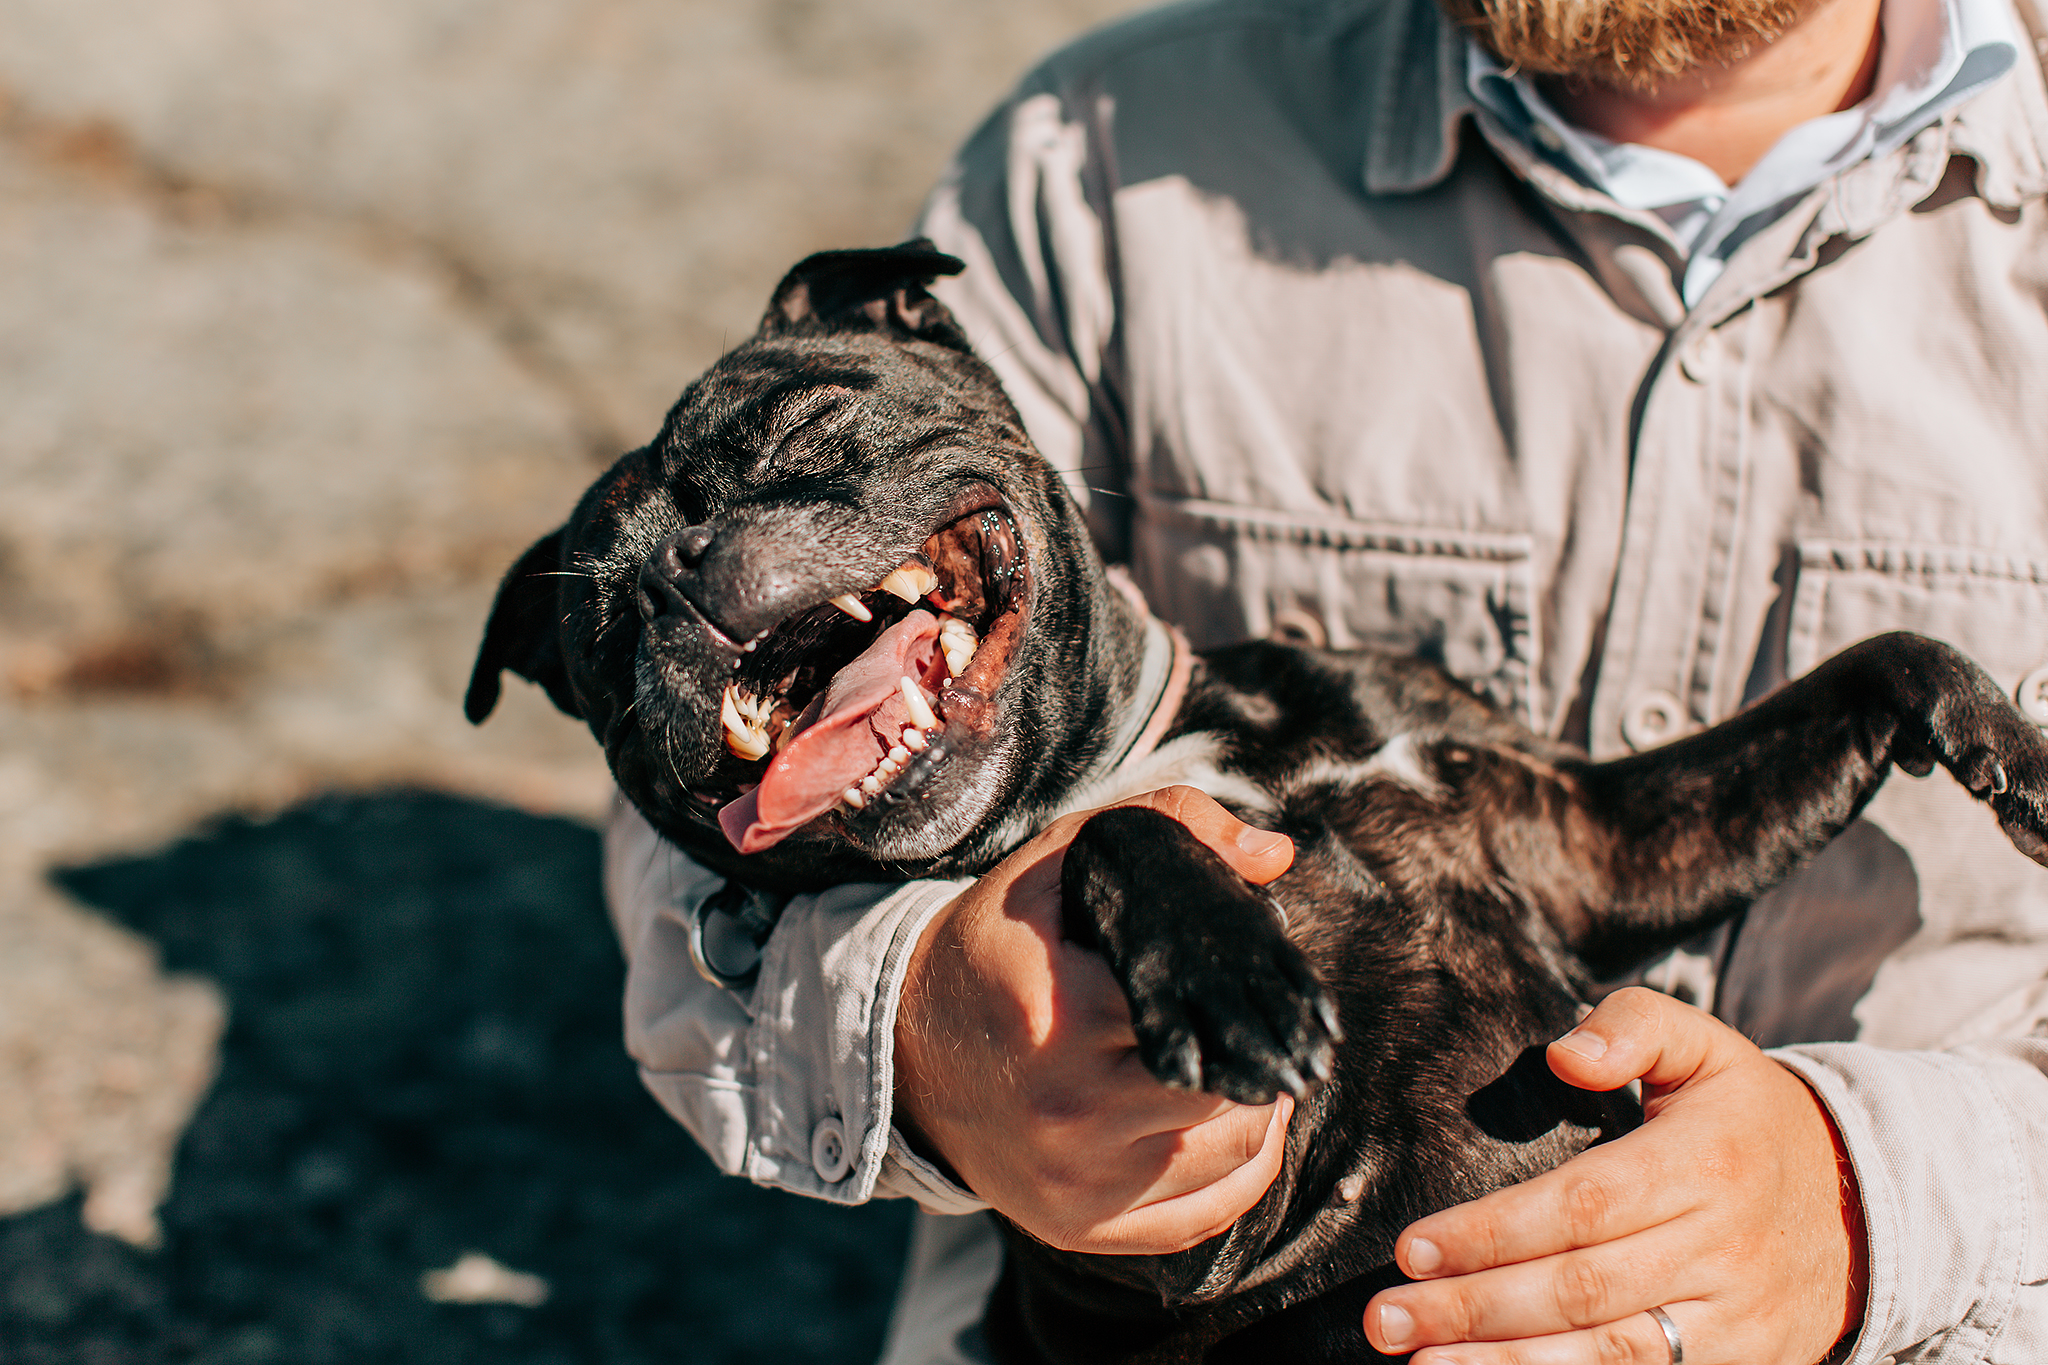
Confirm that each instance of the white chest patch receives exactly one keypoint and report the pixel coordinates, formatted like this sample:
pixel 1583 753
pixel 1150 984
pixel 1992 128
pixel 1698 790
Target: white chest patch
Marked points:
pixel 1189 761
pixel 1398 760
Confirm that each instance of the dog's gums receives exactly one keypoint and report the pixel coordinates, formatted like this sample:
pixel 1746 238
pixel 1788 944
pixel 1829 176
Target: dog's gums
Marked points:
pixel 861 698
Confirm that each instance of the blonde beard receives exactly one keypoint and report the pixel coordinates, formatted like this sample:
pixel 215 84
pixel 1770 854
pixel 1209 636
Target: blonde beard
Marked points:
pixel 1627 44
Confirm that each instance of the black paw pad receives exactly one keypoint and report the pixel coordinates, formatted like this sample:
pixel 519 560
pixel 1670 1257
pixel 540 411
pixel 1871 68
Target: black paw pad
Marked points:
pixel 1221 999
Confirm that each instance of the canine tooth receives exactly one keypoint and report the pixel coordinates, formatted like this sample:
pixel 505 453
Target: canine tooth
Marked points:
pixel 852 797
pixel 899 755
pixel 914 740
pixel 958 643
pixel 921 714
pixel 871 784
pixel 751 644
pixel 853 607
pixel 910 581
pixel 747 746
pixel 744 735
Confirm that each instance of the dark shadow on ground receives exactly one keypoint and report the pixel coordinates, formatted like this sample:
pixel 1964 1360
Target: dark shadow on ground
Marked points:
pixel 423 1059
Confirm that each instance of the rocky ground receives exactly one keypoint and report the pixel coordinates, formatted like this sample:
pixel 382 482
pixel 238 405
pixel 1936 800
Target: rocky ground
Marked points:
pixel 313 318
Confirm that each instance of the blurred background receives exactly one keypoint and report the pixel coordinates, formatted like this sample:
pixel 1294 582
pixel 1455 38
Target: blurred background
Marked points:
pixel 313 317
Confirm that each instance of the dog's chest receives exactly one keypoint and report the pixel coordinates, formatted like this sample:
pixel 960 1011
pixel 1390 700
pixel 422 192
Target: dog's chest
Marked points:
pixel 1208 760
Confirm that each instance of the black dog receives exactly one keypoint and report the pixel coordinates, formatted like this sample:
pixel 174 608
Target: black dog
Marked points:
pixel 839 621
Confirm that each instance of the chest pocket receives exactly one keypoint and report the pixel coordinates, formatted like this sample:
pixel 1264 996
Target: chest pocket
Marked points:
pixel 1977 960
pixel 1228 573
pixel 1993 607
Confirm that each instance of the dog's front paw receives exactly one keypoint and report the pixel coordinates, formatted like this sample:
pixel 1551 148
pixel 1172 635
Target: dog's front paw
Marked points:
pixel 1969 726
pixel 1244 1020
pixel 1220 999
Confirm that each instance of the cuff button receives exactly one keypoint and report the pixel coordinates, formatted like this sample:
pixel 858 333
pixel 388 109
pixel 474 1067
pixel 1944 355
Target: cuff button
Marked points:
pixel 829 1155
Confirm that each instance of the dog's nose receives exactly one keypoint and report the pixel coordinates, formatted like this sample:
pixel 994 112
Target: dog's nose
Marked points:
pixel 689 544
pixel 744 573
pixel 661 577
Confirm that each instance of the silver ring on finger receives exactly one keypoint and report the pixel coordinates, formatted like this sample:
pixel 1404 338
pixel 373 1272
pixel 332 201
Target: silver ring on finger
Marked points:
pixel 1671 1338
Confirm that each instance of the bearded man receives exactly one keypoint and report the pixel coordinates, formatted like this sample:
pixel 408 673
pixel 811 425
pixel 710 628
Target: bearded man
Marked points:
pixel 1628 358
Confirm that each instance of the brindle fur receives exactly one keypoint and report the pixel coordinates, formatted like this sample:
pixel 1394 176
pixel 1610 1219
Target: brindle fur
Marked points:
pixel 1450 912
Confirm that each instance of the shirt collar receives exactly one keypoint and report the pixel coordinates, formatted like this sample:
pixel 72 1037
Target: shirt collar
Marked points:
pixel 1420 98
pixel 1936 54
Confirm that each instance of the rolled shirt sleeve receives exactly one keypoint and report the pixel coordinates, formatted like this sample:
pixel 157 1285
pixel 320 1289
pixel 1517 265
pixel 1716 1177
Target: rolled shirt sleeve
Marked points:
pixel 1950 1151
pixel 790 1081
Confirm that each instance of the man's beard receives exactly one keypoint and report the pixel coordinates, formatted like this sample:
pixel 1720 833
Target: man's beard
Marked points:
pixel 1628 44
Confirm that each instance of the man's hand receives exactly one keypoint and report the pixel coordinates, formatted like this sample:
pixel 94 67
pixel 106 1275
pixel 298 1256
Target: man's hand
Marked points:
pixel 1015 1062
pixel 1732 1208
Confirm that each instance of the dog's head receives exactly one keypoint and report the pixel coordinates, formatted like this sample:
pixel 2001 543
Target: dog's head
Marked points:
pixel 839 615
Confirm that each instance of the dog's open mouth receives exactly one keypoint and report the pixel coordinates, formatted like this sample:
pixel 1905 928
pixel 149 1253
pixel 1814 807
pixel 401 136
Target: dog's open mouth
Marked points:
pixel 856 702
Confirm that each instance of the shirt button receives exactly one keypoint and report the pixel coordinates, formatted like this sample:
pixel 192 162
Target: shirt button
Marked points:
pixel 829 1157
pixel 1299 626
pixel 1651 719
pixel 1696 361
pixel 2033 695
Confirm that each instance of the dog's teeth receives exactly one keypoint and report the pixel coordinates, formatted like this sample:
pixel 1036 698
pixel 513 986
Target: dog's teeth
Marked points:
pixel 746 745
pixel 852 797
pixel 887 769
pixel 911 581
pixel 871 784
pixel 744 734
pixel 921 714
pixel 914 740
pixel 899 754
pixel 958 643
pixel 853 607
pixel 751 644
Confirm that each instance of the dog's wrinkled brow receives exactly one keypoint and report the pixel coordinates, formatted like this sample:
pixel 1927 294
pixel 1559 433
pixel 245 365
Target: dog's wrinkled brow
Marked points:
pixel 821 407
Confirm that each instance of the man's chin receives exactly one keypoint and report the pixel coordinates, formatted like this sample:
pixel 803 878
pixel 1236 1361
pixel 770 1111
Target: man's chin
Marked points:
pixel 1633 45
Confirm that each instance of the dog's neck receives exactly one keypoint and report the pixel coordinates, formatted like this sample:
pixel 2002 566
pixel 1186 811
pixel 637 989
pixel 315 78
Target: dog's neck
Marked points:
pixel 1161 686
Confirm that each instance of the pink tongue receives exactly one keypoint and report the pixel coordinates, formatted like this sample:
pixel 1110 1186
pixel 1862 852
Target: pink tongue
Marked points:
pixel 841 747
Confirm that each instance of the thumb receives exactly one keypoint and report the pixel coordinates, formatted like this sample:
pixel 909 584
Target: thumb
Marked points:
pixel 1638 1034
pixel 1257 855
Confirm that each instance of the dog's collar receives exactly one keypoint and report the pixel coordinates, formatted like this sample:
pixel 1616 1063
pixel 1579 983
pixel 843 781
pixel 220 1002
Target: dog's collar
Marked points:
pixel 1162 683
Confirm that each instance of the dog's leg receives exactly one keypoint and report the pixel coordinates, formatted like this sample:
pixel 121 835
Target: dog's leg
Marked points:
pixel 1691 831
pixel 1220 999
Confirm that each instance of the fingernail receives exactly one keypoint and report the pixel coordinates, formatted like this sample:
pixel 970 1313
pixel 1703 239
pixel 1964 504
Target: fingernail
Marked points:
pixel 1591 1046
pixel 1423 1256
pixel 1395 1326
pixel 1258 843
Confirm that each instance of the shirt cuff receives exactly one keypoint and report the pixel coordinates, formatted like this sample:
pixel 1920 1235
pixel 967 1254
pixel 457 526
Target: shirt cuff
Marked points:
pixel 1950 1153
pixel 907 1175
pixel 790 1081
pixel 824 1035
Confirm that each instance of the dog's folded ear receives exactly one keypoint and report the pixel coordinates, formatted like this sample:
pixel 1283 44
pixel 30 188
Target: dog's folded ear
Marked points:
pixel 524 634
pixel 876 290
